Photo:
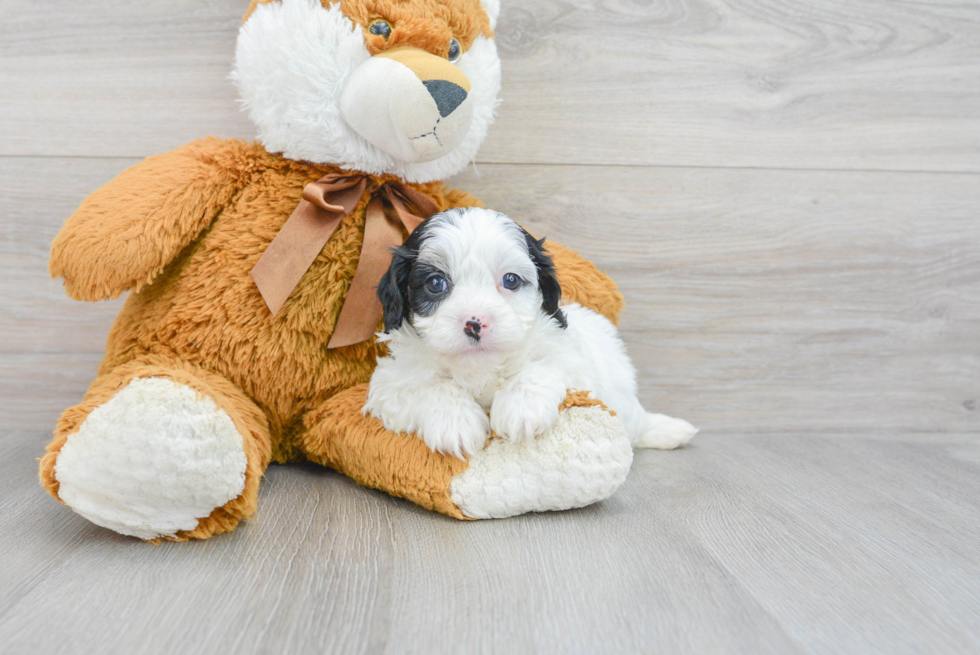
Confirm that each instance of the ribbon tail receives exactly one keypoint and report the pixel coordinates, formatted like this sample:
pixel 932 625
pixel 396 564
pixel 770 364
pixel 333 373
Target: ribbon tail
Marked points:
pixel 292 252
pixel 362 311
pixel 422 207
pixel 299 242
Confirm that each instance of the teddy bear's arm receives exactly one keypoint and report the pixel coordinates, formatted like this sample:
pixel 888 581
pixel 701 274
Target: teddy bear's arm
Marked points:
pixel 580 280
pixel 125 233
pixel 583 459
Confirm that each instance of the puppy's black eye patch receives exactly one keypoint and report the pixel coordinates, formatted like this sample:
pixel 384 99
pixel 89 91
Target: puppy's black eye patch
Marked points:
pixel 427 288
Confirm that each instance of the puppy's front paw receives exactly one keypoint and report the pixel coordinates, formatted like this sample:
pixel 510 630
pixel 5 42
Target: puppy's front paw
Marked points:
pixel 524 412
pixel 458 429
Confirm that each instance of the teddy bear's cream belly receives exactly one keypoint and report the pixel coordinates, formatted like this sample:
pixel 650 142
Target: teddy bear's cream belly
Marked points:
pixel 206 309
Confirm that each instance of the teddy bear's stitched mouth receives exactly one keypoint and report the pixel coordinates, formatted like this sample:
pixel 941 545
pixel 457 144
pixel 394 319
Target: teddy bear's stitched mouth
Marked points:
pixel 432 134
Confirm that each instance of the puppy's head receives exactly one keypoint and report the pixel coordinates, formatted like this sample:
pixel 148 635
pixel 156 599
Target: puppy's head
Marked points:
pixel 470 281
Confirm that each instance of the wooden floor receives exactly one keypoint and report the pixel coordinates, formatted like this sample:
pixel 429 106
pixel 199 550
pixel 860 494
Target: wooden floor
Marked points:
pixel 788 192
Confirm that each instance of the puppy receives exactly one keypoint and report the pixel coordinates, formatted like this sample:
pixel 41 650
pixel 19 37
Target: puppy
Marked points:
pixel 473 324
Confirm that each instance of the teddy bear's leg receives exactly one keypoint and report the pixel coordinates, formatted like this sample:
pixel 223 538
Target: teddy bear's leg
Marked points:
pixel 160 449
pixel 583 459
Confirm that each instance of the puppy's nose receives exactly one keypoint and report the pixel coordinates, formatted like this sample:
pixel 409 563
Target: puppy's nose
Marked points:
pixel 473 327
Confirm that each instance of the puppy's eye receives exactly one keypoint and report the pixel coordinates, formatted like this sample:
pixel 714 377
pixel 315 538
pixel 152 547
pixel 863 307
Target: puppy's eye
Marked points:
pixel 380 28
pixel 511 282
pixel 436 285
pixel 455 51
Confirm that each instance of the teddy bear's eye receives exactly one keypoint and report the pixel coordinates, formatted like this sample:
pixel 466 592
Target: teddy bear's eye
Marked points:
pixel 455 51
pixel 381 28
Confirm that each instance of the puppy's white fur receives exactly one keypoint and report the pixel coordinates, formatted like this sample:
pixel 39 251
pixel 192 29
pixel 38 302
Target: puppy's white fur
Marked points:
pixel 440 382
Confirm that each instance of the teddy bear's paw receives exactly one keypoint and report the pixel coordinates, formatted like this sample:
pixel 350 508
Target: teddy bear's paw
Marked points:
pixel 152 461
pixel 583 459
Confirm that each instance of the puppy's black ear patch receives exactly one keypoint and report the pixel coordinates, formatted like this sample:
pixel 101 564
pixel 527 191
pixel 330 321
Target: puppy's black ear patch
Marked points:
pixel 393 288
pixel 547 278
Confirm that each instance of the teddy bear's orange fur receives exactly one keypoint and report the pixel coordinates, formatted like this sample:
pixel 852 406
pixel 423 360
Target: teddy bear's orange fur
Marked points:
pixel 425 24
pixel 182 231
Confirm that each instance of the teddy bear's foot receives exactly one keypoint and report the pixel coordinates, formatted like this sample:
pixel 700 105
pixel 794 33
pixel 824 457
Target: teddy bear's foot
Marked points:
pixel 156 459
pixel 152 461
pixel 583 459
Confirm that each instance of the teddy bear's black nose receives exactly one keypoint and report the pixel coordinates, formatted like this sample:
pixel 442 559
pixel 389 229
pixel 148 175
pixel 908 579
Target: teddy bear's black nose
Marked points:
pixel 448 96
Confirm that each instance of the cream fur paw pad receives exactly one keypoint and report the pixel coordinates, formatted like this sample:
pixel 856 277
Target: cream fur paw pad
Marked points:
pixel 583 459
pixel 152 461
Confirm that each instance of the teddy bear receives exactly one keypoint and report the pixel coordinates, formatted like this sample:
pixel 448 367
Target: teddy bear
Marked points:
pixel 249 332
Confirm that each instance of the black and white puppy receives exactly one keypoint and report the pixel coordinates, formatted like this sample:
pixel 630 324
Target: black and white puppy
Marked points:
pixel 473 324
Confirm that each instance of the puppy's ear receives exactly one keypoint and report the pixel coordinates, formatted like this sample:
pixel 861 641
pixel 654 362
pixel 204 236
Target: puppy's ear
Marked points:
pixel 393 288
pixel 547 278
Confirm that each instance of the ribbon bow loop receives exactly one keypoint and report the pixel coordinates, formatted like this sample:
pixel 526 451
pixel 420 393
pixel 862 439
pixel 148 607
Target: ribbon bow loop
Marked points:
pixel 302 238
pixel 336 193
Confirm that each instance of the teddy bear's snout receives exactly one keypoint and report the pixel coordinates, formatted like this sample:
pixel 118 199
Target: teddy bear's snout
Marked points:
pixel 414 106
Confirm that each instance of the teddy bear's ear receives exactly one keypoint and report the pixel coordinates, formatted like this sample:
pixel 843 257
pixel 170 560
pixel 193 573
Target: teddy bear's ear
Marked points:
pixel 492 7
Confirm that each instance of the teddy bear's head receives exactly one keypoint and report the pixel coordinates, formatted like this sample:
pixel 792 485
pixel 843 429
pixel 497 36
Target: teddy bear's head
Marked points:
pixel 403 87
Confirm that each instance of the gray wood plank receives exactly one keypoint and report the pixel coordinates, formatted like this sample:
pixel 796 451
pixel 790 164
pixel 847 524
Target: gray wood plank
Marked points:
pixel 115 78
pixel 778 301
pixel 766 301
pixel 36 196
pixel 739 543
pixel 620 577
pixel 937 464
pixel 841 565
pixel 36 388
pixel 807 84
pixel 830 315
pixel 329 567
pixel 36 534
pixel 304 565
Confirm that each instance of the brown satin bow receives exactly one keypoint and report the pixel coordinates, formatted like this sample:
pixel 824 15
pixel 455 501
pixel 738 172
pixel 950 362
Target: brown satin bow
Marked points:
pixel 299 242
